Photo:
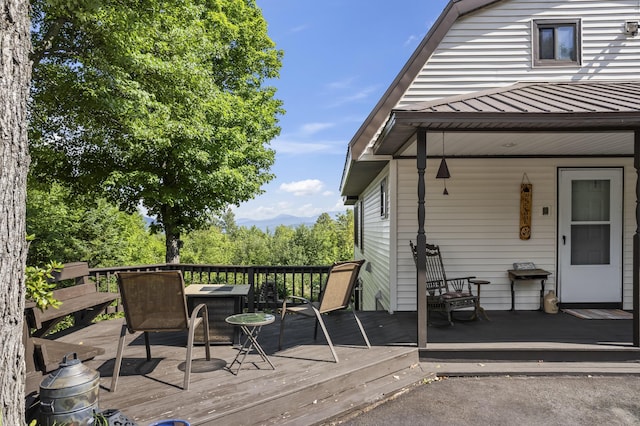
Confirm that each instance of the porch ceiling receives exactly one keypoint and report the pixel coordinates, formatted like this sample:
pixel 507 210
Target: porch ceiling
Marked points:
pixel 539 119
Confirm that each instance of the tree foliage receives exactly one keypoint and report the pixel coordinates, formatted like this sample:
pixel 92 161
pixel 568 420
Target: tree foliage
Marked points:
pixel 327 241
pixel 69 228
pixel 153 102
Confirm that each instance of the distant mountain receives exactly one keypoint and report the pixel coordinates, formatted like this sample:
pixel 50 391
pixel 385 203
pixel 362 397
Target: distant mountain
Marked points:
pixel 271 224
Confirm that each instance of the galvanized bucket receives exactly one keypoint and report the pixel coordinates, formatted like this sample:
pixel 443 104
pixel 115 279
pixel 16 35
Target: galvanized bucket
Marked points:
pixel 69 395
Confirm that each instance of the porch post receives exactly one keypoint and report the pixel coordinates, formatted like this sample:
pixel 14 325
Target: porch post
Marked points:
pixel 421 241
pixel 636 245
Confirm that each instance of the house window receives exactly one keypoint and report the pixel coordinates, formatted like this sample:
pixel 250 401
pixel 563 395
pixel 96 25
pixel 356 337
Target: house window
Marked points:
pixel 362 226
pixel 556 43
pixel 356 225
pixel 384 199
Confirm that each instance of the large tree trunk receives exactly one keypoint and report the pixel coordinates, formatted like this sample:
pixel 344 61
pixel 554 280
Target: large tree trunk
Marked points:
pixel 15 76
pixel 172 241
pixel 172 244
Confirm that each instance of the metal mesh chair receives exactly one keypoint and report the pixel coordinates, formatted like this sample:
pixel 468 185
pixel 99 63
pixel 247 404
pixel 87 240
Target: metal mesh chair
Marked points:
pixel 337 295
pixel 155 302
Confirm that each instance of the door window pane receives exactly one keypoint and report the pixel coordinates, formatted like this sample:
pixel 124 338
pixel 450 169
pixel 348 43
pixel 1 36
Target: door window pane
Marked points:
pixel 590 244
pixel 590 200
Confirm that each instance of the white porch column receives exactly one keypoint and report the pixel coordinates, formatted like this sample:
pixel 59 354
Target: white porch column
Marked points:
pixel 636 245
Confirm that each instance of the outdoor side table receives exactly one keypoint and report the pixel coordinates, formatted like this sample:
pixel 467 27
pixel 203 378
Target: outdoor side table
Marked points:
pixel 250 324
pixel 528 275
pixel 479 309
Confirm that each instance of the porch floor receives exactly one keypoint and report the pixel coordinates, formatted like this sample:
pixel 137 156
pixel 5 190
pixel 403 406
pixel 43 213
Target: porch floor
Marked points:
pixel 307 387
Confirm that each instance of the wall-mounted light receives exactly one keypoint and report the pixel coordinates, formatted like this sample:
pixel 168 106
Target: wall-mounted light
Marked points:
pixel 631 28
pixel 443 170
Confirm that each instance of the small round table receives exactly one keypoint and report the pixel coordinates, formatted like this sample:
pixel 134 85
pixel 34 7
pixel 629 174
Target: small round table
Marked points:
pixel 479 309
pixel 250 324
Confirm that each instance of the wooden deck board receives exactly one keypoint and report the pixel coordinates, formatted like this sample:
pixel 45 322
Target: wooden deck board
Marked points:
pixel 305 371
pixel 150 391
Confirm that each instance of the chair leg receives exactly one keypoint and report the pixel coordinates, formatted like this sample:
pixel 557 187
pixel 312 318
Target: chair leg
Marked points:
pixel 366 339
pixel 118 362
pixel 280 338
pixel 187 367
pixel 207 343
pixel 326 334
pixel 148 345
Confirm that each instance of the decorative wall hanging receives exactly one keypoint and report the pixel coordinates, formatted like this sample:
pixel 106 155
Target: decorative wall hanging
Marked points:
pixel 526 195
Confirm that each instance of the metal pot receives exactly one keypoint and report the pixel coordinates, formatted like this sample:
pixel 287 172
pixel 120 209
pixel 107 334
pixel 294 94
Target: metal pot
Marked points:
pixel 69 395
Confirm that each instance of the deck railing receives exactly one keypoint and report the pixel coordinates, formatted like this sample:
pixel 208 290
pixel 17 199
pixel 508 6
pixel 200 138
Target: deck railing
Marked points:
pixel 269 284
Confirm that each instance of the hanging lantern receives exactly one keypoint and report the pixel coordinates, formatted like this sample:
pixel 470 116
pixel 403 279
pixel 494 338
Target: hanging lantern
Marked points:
pixel 443 170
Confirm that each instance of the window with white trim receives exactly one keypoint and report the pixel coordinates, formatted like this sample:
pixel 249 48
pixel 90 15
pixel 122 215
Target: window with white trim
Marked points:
pixel 556 42
pixel 384 199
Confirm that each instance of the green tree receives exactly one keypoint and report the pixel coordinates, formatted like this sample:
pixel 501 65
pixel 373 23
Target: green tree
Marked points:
pixel 156 102
pixel 208 246
pixel 69 228
pixel 251 247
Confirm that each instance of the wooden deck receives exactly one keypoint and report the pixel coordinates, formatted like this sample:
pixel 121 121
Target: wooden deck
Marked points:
pixel 307 387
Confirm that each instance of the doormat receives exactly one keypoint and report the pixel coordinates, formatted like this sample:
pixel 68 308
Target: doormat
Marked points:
pixel 610 314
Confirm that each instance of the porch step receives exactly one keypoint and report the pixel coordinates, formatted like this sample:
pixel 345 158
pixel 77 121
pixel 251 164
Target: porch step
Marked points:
pixel 529 351
pixel 528 368
pixel 333 395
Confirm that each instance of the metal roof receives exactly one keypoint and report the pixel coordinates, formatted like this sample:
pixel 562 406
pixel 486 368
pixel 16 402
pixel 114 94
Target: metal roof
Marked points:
pixel 555 97
pixel 526 107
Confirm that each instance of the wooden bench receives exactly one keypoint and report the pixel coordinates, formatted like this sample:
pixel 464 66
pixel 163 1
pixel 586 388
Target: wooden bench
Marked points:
pixel 82 300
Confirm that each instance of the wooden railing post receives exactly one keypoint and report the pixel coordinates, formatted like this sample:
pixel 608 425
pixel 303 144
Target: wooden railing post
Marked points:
pixel 252 294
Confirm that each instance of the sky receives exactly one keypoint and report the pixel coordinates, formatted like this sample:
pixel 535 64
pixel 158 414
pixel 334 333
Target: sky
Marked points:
pixel 339 58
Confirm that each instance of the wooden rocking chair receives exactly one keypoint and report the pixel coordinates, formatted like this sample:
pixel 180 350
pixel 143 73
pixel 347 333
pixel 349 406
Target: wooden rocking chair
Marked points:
pixel 445 294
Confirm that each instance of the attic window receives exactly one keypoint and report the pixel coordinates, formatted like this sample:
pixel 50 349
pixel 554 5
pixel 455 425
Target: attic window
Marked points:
pixel 556 43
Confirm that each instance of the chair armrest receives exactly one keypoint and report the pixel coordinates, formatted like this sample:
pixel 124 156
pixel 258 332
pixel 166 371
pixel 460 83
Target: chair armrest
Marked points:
pixel 194 315
pixel 283 310
pixel 461 281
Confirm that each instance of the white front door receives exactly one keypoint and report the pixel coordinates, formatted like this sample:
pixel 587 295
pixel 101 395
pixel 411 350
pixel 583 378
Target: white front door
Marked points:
pixel 590 236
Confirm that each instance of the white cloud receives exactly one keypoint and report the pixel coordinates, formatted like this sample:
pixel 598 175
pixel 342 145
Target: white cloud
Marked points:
pixel 283 146
pixel 411 40
pixel 298 29
pixel 312 128
pixel 303 187
pixel 341 84
pixel 358 96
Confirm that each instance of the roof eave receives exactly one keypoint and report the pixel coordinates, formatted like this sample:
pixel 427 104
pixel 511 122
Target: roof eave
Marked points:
pixel 403 124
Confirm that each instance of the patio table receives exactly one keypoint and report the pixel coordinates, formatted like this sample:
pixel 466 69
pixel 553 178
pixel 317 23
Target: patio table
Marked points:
pixel 222 300
pixel 250 324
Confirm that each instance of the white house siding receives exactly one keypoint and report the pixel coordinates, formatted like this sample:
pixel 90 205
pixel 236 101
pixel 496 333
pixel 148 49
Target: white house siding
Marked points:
pixel 493 48
pixel 376 248
pixel 477 224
